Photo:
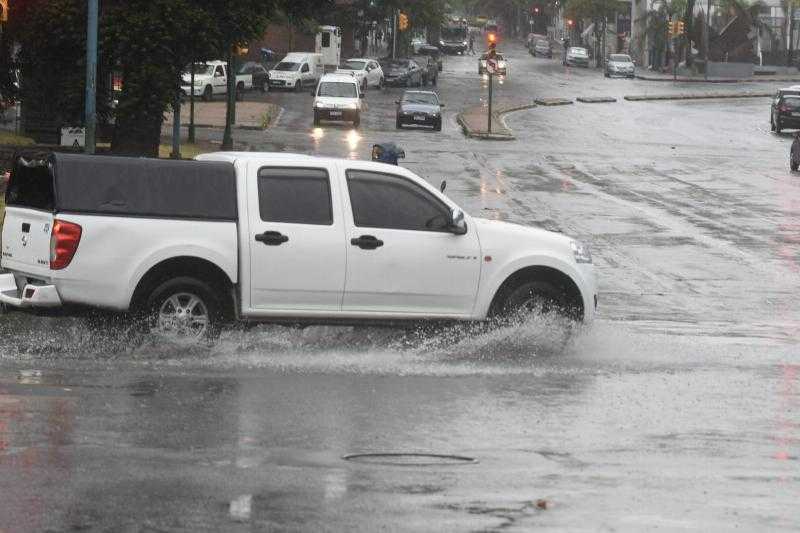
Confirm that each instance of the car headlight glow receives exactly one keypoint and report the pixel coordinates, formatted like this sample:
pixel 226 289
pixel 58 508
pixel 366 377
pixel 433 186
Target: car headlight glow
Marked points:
pixel 581 251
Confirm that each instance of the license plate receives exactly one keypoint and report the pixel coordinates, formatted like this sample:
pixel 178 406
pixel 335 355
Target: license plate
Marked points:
pixel 419 118
pixel 336 113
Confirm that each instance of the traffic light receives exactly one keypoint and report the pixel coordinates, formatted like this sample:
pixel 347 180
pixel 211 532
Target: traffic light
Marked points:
pixel 492 38
pixel 402 22
pixel 536 10
pixel 239 49
pixel 680 28
pixel 570 23
pixel 4 8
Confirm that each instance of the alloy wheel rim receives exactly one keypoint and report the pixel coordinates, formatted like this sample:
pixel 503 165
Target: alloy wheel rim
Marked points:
pixel 183 315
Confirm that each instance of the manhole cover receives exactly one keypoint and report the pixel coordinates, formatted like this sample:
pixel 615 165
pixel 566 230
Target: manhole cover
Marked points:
pixel 409 459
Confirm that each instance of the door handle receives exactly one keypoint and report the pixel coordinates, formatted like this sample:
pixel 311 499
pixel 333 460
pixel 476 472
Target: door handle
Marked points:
pixel 272 238
pixel 367 242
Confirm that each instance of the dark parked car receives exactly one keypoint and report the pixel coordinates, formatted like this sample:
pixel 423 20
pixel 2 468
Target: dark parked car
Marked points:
pixel 259 73
pixel 430 70
pixel 784 112
pixel 401 72
pixel 542 48
pixel 420 108
pixel 432 52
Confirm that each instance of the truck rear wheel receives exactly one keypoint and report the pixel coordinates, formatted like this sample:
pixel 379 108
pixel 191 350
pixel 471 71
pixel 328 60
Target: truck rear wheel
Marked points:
pixel 208 93
pixel 240 92
pixel 184 309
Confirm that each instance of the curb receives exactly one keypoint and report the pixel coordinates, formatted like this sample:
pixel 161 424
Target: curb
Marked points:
pixel 477 134
pixel 596 99
pixel 482 135
pixel 709 96
pixel 701 80
pixel 553 101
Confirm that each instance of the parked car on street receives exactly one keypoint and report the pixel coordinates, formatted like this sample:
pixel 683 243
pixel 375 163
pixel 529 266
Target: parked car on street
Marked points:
pixel 430 70
pixel 401 72
pixel 367 71
pixel 338 97
pixel 190 245
pixel 211 78
pixel 785 110
pixel 620 65
pixel 502 64
pixel 434 53
pixel 542 48
pixel 297 70
pixel 259 75
pixel 419 108
pixel 577 57
pixel 417 43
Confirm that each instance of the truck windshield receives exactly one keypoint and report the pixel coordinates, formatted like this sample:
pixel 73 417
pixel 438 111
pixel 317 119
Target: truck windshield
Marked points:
pixel 337 89
pixel 454 34
pixel 287 66
pixel 200 68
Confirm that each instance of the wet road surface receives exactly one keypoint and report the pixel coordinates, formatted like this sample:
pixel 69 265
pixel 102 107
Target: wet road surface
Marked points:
pixel 679 409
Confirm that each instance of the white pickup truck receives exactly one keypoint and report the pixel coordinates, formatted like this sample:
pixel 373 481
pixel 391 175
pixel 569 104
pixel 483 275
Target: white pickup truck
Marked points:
pixel 271 237
pixel 211 78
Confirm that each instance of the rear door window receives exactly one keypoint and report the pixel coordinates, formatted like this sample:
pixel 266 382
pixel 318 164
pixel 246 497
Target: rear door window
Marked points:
pixel 31 186
pixel 295 196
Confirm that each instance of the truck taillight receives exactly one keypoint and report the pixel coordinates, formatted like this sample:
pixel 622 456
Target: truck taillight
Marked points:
pixel 64 241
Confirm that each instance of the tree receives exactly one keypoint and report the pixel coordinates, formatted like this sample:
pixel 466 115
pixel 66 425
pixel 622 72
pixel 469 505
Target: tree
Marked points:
pixel 52 61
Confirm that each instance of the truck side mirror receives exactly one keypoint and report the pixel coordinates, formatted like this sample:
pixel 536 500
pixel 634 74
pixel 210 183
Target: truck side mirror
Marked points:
pixel 457 223
pixel 443 186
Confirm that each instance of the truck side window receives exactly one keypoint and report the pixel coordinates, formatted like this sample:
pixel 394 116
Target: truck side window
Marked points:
pixel 326 39
pixel 295 196
pixel 219 73
pixel 393 202
pixel 305 68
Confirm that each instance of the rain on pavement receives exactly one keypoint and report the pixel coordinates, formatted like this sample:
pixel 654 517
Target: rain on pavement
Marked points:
pixel 677 409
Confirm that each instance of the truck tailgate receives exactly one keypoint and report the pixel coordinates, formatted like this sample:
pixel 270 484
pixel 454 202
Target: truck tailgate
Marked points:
pixel 26 240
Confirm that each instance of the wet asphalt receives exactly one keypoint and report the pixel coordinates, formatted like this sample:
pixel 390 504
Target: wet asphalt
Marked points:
pixel 679 409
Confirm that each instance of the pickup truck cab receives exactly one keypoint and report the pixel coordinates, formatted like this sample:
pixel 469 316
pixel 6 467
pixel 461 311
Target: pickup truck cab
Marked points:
pixel 188 245
pixel 211 78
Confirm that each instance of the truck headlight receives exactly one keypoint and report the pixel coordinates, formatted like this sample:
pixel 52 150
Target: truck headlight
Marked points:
pixel 581 251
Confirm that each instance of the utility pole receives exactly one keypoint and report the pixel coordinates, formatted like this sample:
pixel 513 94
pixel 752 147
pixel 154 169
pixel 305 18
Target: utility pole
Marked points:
pixel 394 34
pixel 706 31
pixel 176 126
pixel 227 137
pixel 191 138
pixel 491 84
pixel 90 109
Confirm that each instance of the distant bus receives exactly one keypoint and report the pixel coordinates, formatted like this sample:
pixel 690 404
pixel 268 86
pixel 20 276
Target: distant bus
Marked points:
pixel 453 38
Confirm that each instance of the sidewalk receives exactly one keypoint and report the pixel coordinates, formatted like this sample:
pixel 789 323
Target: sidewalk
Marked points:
pixel 249 115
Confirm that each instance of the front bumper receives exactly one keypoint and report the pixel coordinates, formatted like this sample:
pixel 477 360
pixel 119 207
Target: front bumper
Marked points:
pixel 622 73
pixel 577 62
pixel 429 120
pixel 346 115
pixel 29 296
pixel 198 90
pixel 282 84
pixel 453 48
pixel 396 82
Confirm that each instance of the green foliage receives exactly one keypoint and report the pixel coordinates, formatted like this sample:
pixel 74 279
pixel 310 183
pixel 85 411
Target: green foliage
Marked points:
pixel 593 9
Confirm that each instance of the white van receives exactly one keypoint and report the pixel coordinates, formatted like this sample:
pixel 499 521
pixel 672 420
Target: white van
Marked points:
pixel 297 70
pixel 338 97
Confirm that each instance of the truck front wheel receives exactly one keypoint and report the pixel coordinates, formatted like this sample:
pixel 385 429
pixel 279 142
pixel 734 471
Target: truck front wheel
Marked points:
pixel 184 309
pixel 240 92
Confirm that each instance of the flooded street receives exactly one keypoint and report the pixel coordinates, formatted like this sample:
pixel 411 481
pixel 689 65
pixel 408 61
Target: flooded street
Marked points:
pixel 678 409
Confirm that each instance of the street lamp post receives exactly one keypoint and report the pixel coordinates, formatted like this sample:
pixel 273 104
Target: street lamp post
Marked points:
pixel 90 109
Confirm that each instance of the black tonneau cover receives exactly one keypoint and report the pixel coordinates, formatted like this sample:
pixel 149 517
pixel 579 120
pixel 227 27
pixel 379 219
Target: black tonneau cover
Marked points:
pixel 129 186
